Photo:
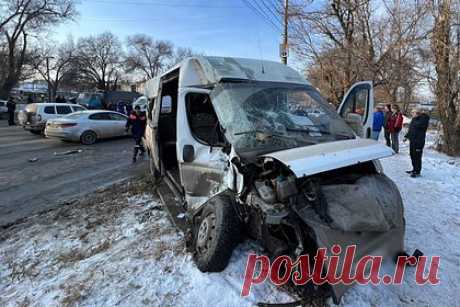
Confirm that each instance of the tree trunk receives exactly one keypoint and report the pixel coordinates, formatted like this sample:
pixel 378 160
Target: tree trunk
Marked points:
pixel 446 84
pixel 15 64
pixel 451 140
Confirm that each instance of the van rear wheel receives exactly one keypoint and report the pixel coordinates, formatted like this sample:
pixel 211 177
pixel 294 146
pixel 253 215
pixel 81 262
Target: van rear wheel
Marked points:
pixel 216 235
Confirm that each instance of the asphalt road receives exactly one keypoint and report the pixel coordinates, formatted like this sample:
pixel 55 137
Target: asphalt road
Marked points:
pixel 28 187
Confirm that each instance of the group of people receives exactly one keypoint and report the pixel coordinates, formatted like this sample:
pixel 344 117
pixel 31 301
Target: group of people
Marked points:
pixel 124 108
pixel 61 99
pixel 391 121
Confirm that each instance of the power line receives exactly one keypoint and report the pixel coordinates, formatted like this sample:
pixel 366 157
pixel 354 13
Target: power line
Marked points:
pixel 270 9
pixel 155 3
pixel 266 15
pixel 255 10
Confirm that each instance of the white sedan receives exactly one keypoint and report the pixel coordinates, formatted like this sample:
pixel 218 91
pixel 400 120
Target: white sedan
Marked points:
pixel 87 126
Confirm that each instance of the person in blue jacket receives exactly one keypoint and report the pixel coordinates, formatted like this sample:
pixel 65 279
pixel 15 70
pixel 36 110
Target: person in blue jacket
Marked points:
pixel 377 123
pixel 137 122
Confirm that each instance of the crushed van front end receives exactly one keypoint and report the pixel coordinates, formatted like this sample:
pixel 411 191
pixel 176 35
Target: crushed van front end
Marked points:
pixel 293 210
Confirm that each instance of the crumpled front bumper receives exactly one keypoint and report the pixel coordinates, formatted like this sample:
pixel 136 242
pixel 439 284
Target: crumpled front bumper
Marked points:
pixel 386 244
pixel 375 195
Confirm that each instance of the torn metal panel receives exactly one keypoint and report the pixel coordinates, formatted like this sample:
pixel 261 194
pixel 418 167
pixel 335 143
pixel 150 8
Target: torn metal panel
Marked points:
pixel 371 204
pixel 386 244
pixel 203 182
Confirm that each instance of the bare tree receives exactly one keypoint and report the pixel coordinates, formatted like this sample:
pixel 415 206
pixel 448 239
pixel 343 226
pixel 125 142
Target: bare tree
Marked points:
pixel 182 53
pixel 54 64
pixel 445 41
pixel 99 60
pixel 19 19
pixel 147 55
pixel 361 44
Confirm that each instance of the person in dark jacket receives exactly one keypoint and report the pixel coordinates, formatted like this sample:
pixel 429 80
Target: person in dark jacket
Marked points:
pixel 386 128
pixel 137 122
pixel 11 106
pixel 416 136
pixel 377 123
pixel 129 108
pixel 121 108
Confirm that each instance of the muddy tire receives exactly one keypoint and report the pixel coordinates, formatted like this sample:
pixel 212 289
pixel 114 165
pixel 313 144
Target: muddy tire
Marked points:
pixel 88 137
pixel 217 233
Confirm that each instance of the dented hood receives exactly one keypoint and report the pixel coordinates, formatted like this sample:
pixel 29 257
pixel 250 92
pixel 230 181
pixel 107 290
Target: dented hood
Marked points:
pixel 309 160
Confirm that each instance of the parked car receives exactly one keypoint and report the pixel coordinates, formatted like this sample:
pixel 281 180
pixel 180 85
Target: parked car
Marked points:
pixel 87 127
pixel 252 149
pixel 35 115
pixel 141 102
pixel 3 107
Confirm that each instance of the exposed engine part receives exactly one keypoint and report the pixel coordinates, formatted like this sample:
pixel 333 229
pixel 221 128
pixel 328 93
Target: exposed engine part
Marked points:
pixel 276 246
pixel 272 213
pixel 265 192
pixel 285 188
pixel 311 189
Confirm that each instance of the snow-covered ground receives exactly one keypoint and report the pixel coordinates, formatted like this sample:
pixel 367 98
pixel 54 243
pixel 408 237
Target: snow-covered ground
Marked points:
pixel 121 249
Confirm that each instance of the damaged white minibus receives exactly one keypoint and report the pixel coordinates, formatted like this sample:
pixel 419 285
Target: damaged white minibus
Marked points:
pixel 251 149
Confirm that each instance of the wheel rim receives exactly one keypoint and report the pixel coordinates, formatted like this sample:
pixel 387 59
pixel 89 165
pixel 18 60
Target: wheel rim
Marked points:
pixel 88 138
pixel 206 233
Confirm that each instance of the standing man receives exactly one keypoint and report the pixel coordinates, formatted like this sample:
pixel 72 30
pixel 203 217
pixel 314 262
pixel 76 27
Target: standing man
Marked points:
pixel 395 124
pixel 377 123
pixel 416 136
pixel 11 105
pixel 121 108
pixel 137 121
pixel 386 128
pixel 129 108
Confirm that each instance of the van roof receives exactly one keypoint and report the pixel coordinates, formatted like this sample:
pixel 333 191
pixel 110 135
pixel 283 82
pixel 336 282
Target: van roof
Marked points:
pixel 54 104
pixel 205 70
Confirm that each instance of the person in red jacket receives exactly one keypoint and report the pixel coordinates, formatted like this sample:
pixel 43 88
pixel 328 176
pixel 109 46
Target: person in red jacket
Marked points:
pixel 395 124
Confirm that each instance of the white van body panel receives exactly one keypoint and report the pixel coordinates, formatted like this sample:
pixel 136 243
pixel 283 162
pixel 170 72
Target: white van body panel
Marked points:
pixel 310 160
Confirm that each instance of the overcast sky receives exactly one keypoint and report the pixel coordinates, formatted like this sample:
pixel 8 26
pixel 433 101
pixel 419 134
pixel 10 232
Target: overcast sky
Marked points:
pixel 215 27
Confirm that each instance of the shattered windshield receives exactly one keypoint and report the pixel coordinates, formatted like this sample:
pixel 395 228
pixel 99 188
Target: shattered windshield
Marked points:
pixel 274 116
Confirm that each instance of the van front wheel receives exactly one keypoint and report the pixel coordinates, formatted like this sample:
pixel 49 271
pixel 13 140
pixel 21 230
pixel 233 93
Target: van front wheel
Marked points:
pixel 216 235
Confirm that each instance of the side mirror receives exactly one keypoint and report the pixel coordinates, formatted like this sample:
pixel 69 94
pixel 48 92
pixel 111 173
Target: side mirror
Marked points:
pixel 188 153
pixel 355 121
pixel 354 118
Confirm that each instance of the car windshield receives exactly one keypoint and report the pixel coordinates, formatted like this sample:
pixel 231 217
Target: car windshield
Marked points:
pixel 267 116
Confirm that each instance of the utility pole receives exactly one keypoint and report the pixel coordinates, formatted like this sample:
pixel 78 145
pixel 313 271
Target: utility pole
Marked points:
pixel 48 76
pixel 285 45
